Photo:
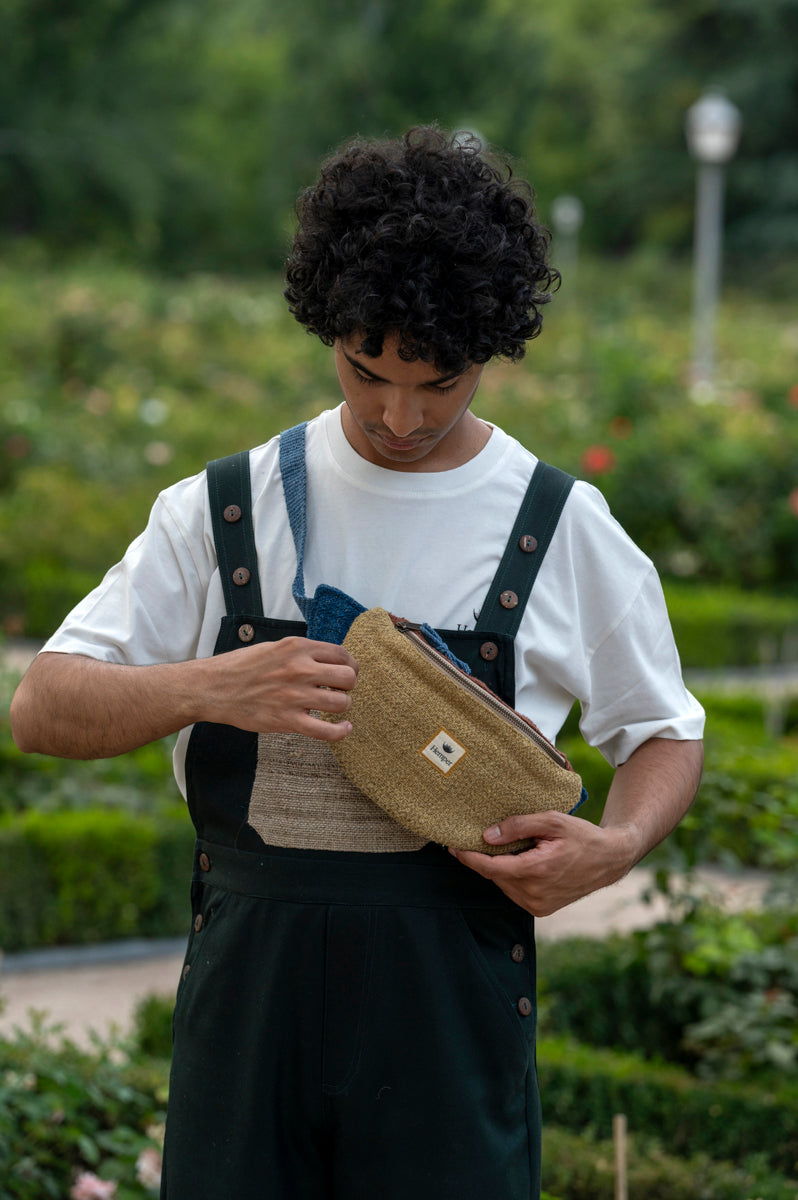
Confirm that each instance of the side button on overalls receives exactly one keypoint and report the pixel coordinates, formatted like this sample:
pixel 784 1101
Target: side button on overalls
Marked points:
pixel 349 1025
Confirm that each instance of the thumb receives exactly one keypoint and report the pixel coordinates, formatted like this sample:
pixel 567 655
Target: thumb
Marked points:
pixel 529 825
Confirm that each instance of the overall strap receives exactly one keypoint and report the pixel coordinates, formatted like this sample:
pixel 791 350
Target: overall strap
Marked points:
pixel 523 556
pixel 230 496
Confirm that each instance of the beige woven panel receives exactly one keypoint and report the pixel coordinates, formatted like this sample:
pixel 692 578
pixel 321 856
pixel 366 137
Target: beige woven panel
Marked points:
pixel 301 798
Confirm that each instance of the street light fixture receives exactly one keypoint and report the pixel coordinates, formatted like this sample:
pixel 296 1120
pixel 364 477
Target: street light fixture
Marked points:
pixel 712 127
pixel 567 215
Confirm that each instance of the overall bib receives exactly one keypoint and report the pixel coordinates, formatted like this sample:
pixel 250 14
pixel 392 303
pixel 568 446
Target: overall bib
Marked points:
pixel 355 1018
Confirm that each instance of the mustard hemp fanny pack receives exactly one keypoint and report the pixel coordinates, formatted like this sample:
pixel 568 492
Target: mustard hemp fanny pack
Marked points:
pixel 435 748
pixel 430 744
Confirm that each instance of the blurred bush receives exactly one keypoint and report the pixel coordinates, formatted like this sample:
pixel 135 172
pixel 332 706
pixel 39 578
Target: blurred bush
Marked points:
pixel 89 876
pixel 581 1164
pixel 745 1136
pixel 66 1111
pixel 114 384
pixel 719 627
pixel 746 811
pixel 177 133
pixel 714 991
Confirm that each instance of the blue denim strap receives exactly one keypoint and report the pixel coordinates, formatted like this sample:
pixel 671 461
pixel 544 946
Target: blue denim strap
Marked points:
pixel 294 476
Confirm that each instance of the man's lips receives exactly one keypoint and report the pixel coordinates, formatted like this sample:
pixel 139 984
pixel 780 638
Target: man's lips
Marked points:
pixel 395 443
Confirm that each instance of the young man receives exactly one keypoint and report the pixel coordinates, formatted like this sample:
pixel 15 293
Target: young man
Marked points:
pixel 355 1017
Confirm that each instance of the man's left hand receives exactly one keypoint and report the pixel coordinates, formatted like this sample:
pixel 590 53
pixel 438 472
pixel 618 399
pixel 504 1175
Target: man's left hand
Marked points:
pixel 570 858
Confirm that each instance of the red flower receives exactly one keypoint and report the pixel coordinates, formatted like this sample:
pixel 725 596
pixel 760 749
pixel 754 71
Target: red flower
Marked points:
pixel 792 500
pixel 792 396
pixel 621 427
pixel 597 460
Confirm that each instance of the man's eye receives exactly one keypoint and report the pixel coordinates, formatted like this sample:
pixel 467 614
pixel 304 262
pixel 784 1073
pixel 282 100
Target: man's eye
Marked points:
pixel 367 379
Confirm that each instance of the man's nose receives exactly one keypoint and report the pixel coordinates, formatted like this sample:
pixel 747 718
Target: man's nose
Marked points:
pixel 402 412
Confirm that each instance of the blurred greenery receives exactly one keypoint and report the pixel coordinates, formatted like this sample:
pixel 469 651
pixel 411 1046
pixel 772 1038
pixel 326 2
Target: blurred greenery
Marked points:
pixel 115 381
pixel 180 133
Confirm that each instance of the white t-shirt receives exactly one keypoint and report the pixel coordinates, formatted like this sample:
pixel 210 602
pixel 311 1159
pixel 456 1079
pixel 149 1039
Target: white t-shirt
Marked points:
pixel 424 545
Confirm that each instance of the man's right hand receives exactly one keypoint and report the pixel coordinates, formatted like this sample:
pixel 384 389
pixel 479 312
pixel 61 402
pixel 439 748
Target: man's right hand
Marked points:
pixel 275 686
pixel 73 706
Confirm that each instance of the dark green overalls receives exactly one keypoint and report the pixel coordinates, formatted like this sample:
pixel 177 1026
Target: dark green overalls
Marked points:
pixel 349 1025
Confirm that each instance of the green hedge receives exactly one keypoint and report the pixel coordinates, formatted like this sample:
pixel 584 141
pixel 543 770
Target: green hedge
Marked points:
pixel 582 1168
pixel 582 1086
pixel 719 626
pixel 86 876
pixel 746 811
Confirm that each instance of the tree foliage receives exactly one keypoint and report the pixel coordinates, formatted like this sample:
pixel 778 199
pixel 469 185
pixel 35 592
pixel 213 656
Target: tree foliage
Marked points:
pixel 180 132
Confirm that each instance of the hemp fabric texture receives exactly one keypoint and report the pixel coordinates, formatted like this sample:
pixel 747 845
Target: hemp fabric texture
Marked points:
pixel 443 762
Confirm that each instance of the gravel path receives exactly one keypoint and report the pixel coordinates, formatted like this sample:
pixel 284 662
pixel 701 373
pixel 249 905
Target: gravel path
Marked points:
pixel 98 987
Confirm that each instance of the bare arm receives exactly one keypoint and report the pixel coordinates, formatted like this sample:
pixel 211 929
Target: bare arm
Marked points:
pixel 649 795
pixel 77 707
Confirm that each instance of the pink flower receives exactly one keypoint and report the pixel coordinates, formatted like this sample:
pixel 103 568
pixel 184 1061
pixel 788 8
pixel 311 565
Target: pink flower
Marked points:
pixel 597 460
pixel 148 1169
pixel 89 1186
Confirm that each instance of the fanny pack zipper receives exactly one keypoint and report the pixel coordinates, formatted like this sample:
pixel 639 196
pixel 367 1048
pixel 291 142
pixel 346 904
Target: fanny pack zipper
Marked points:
pixel 491 701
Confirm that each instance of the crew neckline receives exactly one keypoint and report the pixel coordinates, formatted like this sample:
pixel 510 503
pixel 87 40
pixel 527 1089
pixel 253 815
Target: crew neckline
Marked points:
pixel 373 478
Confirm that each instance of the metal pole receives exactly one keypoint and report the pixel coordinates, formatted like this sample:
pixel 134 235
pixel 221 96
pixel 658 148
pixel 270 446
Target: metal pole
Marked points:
pixel 619 1139
pixel 707 262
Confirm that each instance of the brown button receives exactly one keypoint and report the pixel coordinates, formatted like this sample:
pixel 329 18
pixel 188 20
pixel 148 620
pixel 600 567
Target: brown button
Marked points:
pixel 245 633
pixel 488 651
pixel 198 923
pixel 232 513
pixel 508 599
pixel 186 970
pixel 525 1006
pixel 528 543
pixel 241 576
pixel 204 862
pixel 518 953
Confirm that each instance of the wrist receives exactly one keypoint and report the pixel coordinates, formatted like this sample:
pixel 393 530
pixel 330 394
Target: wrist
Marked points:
pixel 625 849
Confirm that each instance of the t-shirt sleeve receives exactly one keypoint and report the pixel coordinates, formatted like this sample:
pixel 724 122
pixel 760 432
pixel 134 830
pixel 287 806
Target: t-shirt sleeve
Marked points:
pixel 635 685
pixel 149 607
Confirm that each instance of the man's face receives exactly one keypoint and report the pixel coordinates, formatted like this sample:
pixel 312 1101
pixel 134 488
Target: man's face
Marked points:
pixel 405 415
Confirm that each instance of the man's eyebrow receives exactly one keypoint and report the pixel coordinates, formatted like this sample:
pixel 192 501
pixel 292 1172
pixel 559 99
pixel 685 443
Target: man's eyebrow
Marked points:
pixel 364 370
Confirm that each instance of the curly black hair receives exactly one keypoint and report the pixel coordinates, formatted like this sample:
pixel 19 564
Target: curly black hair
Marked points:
pixel 424 237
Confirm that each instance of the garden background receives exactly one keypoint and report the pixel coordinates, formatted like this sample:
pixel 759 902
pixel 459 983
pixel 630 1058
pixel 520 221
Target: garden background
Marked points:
pixel 149 160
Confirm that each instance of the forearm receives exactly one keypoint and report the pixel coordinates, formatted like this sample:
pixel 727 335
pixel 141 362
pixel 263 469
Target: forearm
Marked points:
pixel 77 707
pixel 649 795
pixel 570 857
pixel 72 706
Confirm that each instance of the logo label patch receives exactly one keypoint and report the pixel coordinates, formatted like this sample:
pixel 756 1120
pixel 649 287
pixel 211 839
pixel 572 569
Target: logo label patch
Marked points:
pixel 443 752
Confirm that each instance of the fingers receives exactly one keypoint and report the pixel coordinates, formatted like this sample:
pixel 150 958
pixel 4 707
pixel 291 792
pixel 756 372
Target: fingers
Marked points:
pixel 531 825
pixel 323 731
pixel 336 664
pixel 276 686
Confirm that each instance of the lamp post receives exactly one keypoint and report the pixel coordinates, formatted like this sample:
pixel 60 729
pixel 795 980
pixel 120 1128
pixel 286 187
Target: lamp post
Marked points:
pixel 713 130
pixel 567 215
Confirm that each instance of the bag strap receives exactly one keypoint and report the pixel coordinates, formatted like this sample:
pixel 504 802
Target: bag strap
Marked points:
pixel 295 484
pixel 523 556
pixel 230 495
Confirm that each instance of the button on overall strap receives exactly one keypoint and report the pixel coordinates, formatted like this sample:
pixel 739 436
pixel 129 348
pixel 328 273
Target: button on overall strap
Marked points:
pixel 231 512
pixel 527 545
